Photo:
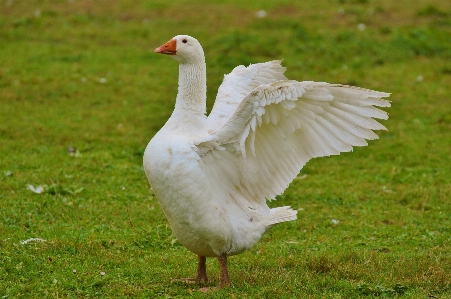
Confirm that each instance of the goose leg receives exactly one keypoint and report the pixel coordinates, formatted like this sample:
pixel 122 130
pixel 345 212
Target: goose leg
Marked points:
pixel 201 272
pixel 225 281
pixel 202 269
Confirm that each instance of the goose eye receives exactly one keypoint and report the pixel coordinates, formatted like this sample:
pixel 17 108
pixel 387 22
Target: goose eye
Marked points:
pixel 184 41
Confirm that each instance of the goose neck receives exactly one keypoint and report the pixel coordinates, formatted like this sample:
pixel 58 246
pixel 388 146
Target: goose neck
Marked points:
pixel 192 89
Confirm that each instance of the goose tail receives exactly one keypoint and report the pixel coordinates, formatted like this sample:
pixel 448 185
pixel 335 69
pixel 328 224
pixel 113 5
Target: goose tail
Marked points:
pixel 281 214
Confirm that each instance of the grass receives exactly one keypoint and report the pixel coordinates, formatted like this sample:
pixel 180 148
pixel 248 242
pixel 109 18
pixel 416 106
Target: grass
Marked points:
pixel 81 95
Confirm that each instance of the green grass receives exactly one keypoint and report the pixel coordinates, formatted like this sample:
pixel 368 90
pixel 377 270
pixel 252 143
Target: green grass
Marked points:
pixel 81 94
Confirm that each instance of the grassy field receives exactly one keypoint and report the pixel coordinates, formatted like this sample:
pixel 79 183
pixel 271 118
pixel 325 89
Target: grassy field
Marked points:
pixel 81 94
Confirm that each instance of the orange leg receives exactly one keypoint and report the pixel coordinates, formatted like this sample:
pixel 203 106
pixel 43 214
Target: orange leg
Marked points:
pixel 202 269
pixel 201 272
pixel 225 281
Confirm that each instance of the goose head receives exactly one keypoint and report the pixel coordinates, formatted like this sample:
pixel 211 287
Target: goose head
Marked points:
pixel 183 48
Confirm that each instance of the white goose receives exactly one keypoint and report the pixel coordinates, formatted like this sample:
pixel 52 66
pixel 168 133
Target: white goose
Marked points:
pixel 212 175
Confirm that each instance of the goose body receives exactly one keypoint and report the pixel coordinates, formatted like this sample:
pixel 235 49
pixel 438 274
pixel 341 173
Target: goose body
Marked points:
pixel 212 176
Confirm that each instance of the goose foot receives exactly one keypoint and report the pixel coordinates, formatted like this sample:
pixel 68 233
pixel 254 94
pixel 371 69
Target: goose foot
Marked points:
pixel 201 276
pixel 224 278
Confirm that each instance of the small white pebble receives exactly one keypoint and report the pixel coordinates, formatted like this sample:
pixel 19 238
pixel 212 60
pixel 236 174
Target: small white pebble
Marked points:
pixel 335 221
pixel 420 78
pixel 361 27
pixel 75 270
pixel 102 273
pixel 102 80
pixel 123 188
pixel 261 13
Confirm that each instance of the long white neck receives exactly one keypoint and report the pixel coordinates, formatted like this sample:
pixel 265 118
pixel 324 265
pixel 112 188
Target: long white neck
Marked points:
pixel 190 105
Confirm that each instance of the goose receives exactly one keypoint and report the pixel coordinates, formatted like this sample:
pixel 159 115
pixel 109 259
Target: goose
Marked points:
pixel 213 175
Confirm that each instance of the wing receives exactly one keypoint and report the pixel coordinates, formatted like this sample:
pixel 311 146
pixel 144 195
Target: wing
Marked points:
pixel 238 84
pixel 280 126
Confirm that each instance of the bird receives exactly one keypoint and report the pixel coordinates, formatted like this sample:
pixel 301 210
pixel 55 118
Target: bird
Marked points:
pixel 213 176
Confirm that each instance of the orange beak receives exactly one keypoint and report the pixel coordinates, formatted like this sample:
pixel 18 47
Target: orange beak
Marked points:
pixel 169 48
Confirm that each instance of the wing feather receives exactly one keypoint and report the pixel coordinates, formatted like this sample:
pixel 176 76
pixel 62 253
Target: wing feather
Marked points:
pixel 367 111
pixel 238 84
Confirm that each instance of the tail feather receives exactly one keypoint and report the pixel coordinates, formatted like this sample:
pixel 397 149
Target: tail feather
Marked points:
pixel 281 214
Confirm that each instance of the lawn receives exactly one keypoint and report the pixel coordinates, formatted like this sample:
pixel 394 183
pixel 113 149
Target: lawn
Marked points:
pixel 81 94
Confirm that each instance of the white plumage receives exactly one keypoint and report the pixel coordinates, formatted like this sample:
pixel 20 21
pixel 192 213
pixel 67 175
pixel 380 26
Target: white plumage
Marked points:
pixel 213 175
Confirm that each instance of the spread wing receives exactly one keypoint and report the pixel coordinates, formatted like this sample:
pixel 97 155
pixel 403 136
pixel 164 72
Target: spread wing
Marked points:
pixel 278 127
